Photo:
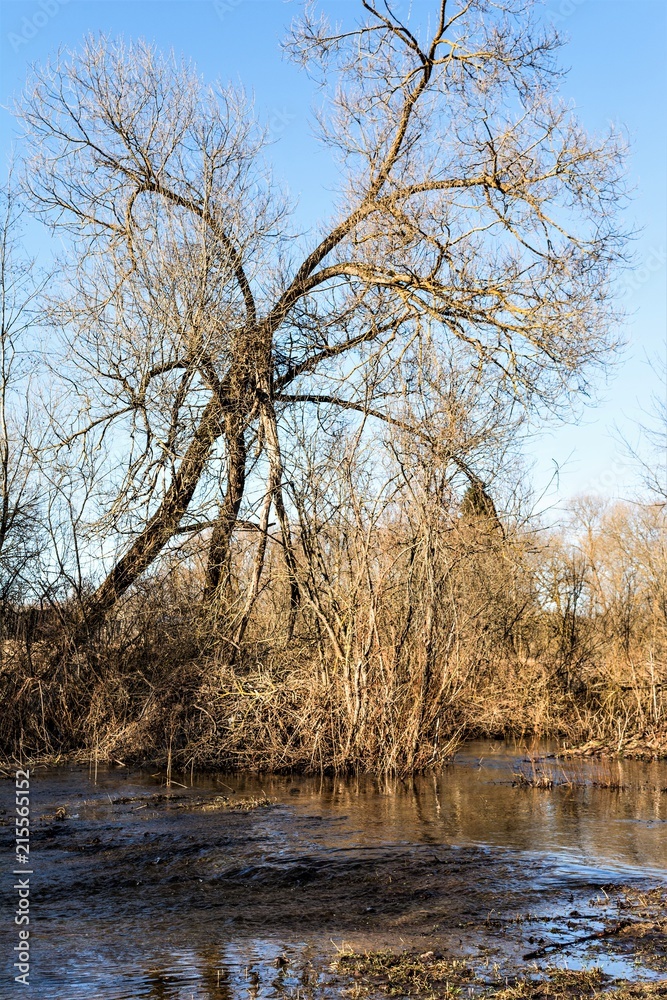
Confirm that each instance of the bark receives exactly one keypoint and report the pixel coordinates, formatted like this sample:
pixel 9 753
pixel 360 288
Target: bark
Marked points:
pixel 277 472
pixel 258 565
pixel 218 570
pixel 165 520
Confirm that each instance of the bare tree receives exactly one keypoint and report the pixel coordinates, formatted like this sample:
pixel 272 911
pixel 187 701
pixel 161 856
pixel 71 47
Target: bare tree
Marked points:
pixel 473 211
pixel 20 547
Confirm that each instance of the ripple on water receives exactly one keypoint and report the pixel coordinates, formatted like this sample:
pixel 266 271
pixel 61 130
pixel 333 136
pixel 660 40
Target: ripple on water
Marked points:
pixel 147 892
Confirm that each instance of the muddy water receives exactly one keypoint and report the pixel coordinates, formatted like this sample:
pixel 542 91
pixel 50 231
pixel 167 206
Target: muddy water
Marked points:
pixel 135 895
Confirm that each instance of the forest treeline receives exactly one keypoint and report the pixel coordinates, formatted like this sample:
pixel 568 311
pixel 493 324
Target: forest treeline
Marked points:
pixel 262 498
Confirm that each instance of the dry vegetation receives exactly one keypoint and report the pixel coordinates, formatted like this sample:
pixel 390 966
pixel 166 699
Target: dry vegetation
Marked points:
pixel 421 638
pixel 389 975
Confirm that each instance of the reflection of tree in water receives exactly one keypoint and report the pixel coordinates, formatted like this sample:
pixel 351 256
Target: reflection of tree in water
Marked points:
pixel 254 983
pixel 214 972
pixel 226 973
pixel 162 983
pixel 204 976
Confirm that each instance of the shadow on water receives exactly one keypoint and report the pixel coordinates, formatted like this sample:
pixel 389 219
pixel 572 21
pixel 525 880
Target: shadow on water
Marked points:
pixel 165 893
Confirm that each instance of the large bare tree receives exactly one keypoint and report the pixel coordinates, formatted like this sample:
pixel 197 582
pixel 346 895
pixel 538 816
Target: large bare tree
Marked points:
pixel 473 215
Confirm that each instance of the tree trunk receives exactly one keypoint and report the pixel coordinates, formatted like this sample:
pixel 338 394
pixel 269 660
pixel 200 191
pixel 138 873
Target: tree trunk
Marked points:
pixel 166 519
pixel 277 473
pixel 218 570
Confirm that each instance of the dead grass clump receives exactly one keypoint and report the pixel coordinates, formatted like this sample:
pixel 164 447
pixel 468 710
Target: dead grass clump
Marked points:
pixel 428 976
pixel 536 780
pixel 405 974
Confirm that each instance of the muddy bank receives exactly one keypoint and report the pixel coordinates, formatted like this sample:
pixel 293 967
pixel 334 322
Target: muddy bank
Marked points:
pixel 144 890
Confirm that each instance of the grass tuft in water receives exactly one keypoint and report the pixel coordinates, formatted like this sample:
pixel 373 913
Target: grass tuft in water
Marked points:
pixel 431 976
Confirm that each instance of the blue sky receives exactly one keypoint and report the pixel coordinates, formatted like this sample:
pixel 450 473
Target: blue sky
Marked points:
pixel 616 55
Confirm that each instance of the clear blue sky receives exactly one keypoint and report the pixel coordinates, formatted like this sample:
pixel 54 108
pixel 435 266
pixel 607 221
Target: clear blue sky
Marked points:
pixel 616 53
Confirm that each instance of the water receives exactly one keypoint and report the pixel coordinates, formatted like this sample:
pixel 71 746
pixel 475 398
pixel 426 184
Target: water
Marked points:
pixel 138 896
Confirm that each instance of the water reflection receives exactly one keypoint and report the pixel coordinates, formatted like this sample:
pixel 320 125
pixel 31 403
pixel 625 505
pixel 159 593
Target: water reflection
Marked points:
pixel 136 896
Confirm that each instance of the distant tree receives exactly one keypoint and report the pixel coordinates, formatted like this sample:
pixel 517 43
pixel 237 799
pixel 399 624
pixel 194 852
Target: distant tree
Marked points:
pixel 473 214
pixel 20 522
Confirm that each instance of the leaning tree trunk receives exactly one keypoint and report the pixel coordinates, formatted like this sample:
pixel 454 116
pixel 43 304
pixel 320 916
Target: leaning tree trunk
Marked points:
pixel 164 522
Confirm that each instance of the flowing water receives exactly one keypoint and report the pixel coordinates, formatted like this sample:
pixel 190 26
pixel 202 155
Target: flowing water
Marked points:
pixel 149 891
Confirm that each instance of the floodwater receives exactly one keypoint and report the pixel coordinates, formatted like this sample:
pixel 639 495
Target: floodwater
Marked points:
pixel 148 891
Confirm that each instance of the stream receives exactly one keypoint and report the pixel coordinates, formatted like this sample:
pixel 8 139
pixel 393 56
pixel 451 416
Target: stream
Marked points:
pixel 236 885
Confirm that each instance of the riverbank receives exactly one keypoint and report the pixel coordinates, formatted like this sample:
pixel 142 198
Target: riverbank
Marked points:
pixel 384 667
pixel 289 712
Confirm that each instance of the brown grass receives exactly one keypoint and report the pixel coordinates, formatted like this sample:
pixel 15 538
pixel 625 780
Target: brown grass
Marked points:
pixel 422 636
pixel 431 975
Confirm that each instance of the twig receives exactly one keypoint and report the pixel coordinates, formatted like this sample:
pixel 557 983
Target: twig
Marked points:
pixel 562 945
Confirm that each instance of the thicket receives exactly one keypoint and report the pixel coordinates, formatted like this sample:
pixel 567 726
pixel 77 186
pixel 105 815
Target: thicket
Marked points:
pixel 416 631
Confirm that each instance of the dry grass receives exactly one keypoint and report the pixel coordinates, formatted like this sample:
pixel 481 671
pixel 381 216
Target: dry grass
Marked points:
pixel 401 653
pixel 283 714
pixel 429 976
pixel 404 974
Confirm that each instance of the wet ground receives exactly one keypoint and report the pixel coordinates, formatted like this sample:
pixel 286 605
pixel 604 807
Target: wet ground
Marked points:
pixel 238 886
